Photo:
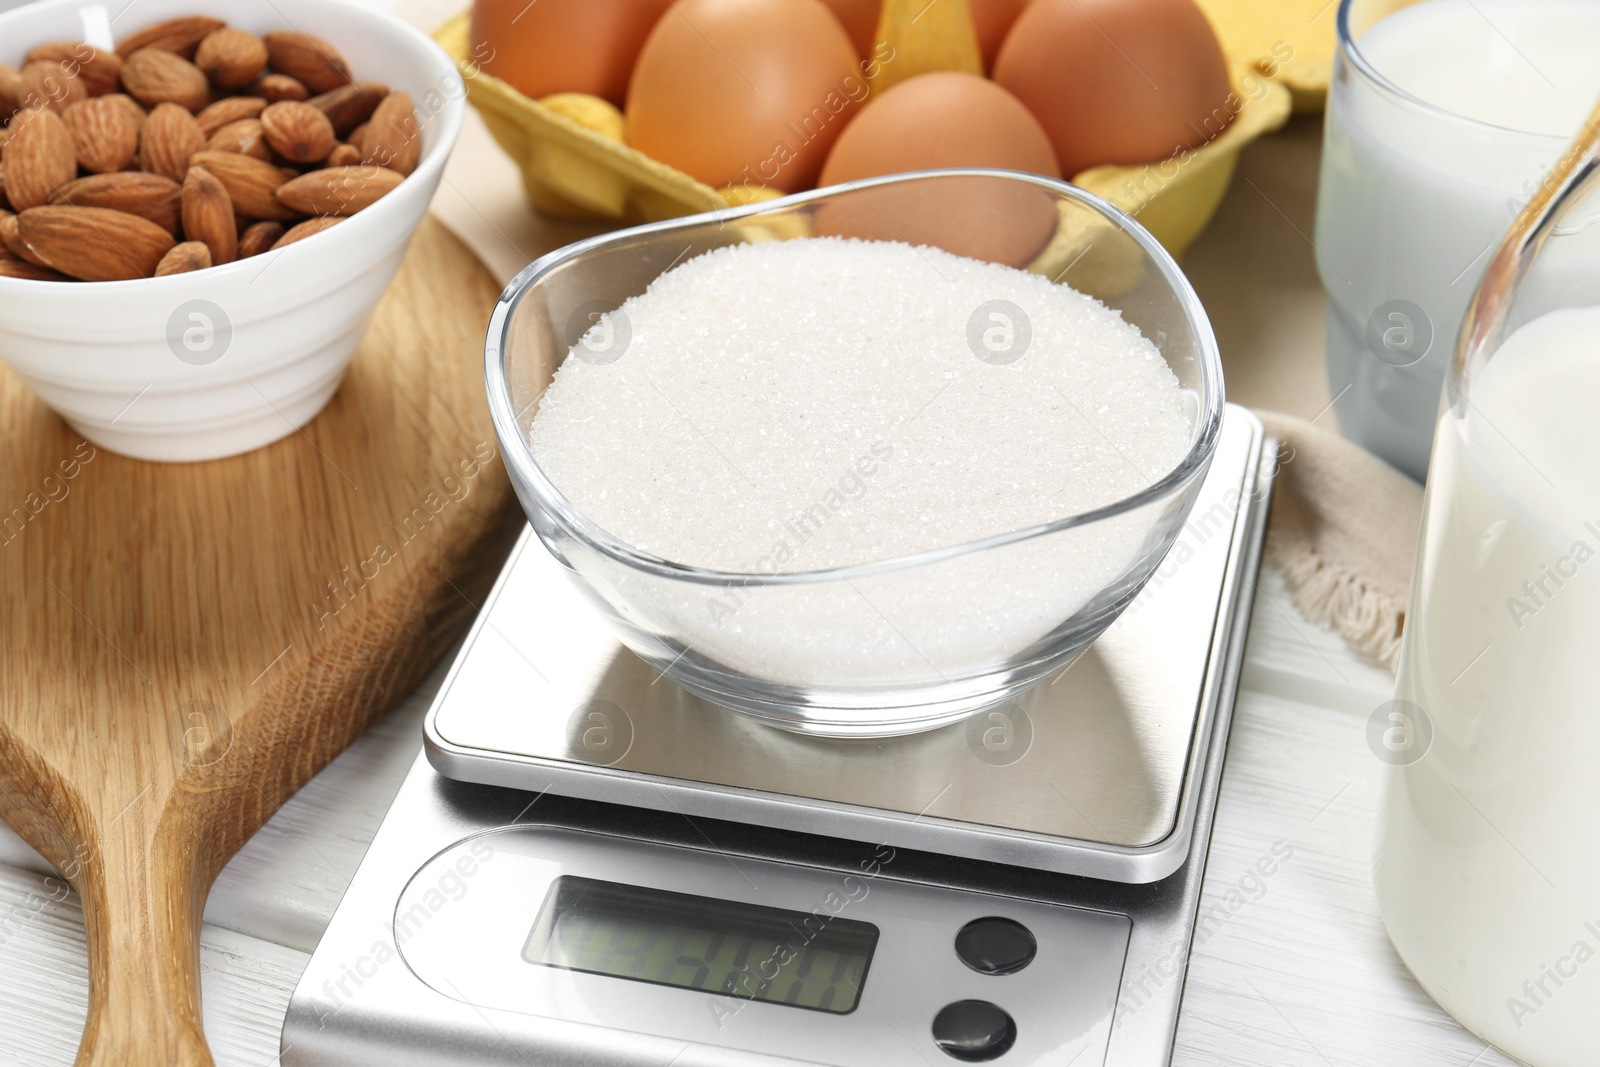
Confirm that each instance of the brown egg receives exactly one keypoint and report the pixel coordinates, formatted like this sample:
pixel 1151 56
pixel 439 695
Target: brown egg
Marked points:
pixel 998 220
pixel 1117 81
pixel 944 119
pixel 563 46
pixel 860 20
pixel 939 120
pixel 744 92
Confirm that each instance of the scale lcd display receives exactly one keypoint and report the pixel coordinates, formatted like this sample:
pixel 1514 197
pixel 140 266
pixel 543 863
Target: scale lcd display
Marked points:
pixel 813 960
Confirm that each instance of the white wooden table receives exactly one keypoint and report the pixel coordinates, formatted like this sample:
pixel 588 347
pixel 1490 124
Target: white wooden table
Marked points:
pixel 1291 970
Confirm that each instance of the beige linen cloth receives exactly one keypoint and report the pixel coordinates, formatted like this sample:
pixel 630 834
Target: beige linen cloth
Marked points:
pixel 1344 530
pixel 1343 526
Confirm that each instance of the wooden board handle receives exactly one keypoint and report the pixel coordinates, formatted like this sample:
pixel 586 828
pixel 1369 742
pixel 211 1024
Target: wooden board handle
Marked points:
pixel 141 911
pixel 219 631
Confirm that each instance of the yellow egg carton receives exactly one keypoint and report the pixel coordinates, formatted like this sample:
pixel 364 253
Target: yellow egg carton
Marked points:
pixel 1290 40
pixel 575 164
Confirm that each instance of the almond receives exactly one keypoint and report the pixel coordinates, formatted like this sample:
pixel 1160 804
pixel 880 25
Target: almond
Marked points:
pixel 208 215
pixel 97 70
pixel 244 137
pixel 392 139
pixel 350 105
pixel 229 109
pixel 169 137
pixel 311 61
pixel 16 267
pixel 95 244
pixel 149 196
pixel 306 229
pixel 11 238
pixel 232 58
pixel 250 183
pixel 5 205
pixel 297 131
pixel 181 35
pixel 104 135
pixel 52 84
pixel 10 91
pixel 275 87
pixel 153 76
pixel 338 190
pixel 343 155
pixel 184 257
pixel 258 237
pixel 127 103
pixel 39 158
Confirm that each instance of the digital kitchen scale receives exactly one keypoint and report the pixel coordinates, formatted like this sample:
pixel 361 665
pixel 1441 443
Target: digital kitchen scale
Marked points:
pixel 589 866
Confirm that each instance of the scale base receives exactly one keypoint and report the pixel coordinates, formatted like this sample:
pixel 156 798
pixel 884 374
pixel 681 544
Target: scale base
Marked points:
pixel 423 962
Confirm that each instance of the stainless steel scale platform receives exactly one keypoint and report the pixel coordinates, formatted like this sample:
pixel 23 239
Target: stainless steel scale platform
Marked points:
pixel 590 866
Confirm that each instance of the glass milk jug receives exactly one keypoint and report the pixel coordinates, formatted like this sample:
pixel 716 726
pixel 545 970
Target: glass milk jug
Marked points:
pixel 1488 863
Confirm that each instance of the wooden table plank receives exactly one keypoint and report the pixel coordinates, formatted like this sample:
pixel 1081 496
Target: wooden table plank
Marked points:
pixel 1292 965
pixel 1295 659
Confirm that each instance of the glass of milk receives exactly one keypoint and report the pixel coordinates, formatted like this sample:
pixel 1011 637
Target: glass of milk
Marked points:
pixel 1488 865
pixel 1442 118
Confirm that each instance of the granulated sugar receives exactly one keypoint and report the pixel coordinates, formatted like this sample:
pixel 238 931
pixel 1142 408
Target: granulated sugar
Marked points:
pixel 788 406
pixel 805 404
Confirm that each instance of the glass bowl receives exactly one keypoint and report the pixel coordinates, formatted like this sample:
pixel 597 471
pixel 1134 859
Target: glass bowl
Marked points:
pixel 898 645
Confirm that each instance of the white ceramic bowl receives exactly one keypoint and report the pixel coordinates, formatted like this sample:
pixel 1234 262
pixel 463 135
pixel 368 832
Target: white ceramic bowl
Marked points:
pixel 209 364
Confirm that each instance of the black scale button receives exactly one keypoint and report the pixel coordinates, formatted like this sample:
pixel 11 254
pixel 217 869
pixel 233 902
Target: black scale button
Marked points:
pixel 996 946
pixel 974 1030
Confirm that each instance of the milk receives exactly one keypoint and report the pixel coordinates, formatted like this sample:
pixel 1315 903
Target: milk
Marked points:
pixel 1413 198
pixel 1488 870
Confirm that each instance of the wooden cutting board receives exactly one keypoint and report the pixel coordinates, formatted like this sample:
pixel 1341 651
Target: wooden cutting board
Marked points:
pixel 183 645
